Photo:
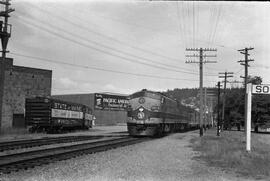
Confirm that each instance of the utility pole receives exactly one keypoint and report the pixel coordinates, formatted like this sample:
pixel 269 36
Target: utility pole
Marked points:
pixel 245 63
pixel 5 32
pixel 211 111
pixel 210 94
pixel 225 76
pixel 201 56
pixel 218 115
pixel 205 106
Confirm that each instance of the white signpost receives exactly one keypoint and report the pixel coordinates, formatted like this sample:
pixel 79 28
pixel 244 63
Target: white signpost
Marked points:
pixel 252 89
pixel 248 117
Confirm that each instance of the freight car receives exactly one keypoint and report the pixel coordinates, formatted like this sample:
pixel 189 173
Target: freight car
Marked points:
pixel 154 114
pixel 54 116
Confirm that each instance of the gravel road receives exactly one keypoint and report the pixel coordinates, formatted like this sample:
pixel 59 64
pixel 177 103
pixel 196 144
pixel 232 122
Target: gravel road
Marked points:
pixel 168 158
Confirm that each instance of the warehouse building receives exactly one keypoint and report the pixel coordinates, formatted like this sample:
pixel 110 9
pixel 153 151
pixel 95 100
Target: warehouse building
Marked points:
pixel 108 108
pixel 19 83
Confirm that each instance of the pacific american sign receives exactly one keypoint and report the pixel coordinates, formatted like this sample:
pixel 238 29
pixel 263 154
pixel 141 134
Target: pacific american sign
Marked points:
pixel 110 102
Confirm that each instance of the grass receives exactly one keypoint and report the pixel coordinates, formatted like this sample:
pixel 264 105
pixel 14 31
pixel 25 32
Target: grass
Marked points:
pixel 228 152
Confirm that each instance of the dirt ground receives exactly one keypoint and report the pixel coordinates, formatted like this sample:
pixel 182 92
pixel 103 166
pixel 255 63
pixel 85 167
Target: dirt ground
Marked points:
pixel 168 158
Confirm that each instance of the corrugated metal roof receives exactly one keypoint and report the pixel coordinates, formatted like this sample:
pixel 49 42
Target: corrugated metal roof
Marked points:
pixel 107 93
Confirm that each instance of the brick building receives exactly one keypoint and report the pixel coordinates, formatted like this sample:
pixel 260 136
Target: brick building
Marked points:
pixel 108 108
pixel 21 82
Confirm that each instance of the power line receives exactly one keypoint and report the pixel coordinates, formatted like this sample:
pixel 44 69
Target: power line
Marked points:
pixel 212 9
pixel 225 76
pixel 172 68
pixel 105 52
pixel 97 68
pixel 181 28
pixel 245 63
pixel 105 36
pixel 216 24
pixel 237 72
pixel 193 18
pixel 155 30
pixel 201 56
pixel 110 53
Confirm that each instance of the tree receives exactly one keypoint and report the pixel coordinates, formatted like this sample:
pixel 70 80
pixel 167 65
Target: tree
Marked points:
pixel 254 80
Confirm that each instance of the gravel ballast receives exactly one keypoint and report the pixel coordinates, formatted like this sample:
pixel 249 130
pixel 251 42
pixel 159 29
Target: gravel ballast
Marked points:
pixel 167 158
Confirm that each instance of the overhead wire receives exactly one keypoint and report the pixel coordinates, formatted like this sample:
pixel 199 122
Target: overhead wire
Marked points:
pixel 197 23
pixel 180 24
pixel 188 22
pixel 193 27
pixel 82 44
pixel 182 16
pixel 98 68
pixel 216 23
pixel 153 29
pixel 211 20
pixel 103 35
pixel 113 49
pixel 103 51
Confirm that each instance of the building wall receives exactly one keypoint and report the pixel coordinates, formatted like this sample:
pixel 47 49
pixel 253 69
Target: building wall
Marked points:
pixel 86 99
pixel 110 117
pixel 103 117
pixel 20 83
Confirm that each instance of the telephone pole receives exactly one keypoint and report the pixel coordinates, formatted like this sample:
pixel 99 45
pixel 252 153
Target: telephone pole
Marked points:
pixel 5 32
pixel 201 56
pixel 245 63
pixel 225 76
pixel 211 93
pixel 204 110
pixel 218 115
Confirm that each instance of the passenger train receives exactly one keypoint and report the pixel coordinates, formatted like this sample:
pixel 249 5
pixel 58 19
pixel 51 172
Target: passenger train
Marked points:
pixel 154 114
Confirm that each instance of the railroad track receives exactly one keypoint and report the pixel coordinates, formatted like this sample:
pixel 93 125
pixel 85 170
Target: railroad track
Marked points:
pixel 18 144
pixel 30 159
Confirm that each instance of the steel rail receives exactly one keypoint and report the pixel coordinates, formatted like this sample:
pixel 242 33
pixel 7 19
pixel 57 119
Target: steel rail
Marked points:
pixel 29 159
pixel 10 145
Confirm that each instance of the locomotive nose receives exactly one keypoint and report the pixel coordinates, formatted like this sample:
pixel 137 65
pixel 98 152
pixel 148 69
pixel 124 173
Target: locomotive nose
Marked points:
pixel 142 113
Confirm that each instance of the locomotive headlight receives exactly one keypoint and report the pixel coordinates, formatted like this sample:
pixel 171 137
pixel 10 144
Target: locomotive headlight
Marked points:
pixel 141 115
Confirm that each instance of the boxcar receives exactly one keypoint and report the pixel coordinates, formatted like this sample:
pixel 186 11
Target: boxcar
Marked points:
pixel 52 115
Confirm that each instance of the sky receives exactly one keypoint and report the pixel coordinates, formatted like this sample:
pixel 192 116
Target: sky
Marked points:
pixel 126 46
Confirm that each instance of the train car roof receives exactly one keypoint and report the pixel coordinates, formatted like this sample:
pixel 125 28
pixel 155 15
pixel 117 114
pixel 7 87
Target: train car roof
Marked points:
pixel 154 92
pixel 57 100
pixel 113 94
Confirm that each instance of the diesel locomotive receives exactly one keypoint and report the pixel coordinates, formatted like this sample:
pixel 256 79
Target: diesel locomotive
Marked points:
pixel 54 116
pixel 154 114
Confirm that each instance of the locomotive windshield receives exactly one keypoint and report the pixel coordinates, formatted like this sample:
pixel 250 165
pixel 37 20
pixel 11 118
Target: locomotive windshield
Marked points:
pixel 146 99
